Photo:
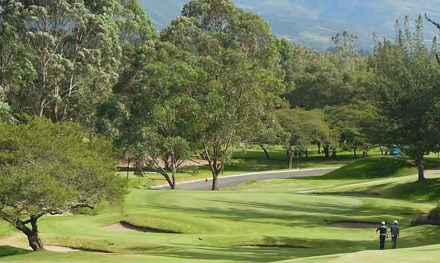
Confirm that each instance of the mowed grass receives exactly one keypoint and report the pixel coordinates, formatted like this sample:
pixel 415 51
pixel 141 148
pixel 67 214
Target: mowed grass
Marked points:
pixel 426 254
pixel 264 221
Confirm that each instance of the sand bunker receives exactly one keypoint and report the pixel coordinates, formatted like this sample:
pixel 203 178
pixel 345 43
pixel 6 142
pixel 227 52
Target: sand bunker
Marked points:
pixel 60 249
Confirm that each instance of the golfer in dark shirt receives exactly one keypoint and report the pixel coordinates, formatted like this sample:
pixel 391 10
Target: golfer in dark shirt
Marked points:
pixel 383 233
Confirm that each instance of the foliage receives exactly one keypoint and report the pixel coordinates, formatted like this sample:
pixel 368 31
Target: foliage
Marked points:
pixel 238 54
pixel 62 57
pixel 345 43
pixel 161 130
pixel 300 128
pixel 49 168
pixel 349 123
pixel 406 92
pixel 5 109
pixel 325 79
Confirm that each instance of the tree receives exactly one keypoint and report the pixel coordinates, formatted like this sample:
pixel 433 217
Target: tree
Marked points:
pixel 65 56
pixel 153 119
pixel 322 80
pixel 48 168
pixel 406 92
pixel 437 25
pixel 300 129
pixel 350 123
pixel 345 43
pixel 239 56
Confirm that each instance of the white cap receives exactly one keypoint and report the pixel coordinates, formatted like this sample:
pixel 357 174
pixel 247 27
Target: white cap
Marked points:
pixel 383 222
pixel 395 222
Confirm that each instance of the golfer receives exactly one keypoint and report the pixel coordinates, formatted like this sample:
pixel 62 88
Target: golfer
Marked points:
pixel 395 232
pixel 383 234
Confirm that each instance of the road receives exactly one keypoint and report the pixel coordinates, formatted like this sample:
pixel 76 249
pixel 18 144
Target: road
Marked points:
pixel 233 180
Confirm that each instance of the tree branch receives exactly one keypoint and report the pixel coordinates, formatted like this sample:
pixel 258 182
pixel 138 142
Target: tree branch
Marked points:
pixel 432 22
pixel 85 205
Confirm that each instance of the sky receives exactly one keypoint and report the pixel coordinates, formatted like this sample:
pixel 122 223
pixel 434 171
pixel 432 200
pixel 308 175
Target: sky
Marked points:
pixel 313 22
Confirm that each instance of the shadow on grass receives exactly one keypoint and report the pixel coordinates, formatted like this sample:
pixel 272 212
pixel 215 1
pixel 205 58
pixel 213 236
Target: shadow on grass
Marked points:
pixel 263 249
pixel 250 210
pixel 428 190
pixel 306 214
pixel 6 251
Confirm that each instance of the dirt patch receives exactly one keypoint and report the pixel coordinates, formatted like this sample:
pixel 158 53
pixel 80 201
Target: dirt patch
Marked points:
pixel 125 226
pixel 353 224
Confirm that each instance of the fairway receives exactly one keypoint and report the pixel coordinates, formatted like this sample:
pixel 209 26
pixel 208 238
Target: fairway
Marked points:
pixel 283 220
pixel 219 131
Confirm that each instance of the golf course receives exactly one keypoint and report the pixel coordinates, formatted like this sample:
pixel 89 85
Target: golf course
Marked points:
pixel 329 218
pixel 249 131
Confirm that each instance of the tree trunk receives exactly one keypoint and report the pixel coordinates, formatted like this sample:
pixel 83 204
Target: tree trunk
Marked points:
pixel 56 105
pixel 334 153
pixel 420 169
pixel 128 167
pixel 174 175
pixel 327 151
pixel 381 150
pixel 35 241
pixel 32 234
pixel 307 153
pixel 215 164
pixel 266 153
pixel 215 174
pixel 170 182
pixel 319 147
pixel 354 152
pixel 289 158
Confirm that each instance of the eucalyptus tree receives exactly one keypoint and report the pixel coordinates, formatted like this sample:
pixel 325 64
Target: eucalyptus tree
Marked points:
pixel 239 56
pixel 65 56
pixel 345 43
pixel 48 168
pixel 406 91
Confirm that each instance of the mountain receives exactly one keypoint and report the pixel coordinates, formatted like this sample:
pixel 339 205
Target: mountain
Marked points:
pixel 313 22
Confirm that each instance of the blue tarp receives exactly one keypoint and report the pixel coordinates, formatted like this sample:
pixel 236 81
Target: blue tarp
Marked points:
pixel 395 150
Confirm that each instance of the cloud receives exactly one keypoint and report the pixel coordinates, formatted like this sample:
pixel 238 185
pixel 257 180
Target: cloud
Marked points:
pixel 406 7
pixel 315 37
pixel 280 8
pixel 325 29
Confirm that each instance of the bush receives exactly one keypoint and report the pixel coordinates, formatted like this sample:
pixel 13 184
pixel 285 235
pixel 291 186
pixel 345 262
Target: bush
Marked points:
pixel 432 218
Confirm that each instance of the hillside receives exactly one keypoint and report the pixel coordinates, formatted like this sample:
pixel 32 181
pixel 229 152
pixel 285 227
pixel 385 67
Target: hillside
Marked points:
pixel 313 22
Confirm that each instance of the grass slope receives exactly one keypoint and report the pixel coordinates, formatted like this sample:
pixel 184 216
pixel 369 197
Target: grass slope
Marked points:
pixel 266 221
pixel 377 167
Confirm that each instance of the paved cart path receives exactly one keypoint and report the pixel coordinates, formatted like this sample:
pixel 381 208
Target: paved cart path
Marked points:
pixel 233 180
